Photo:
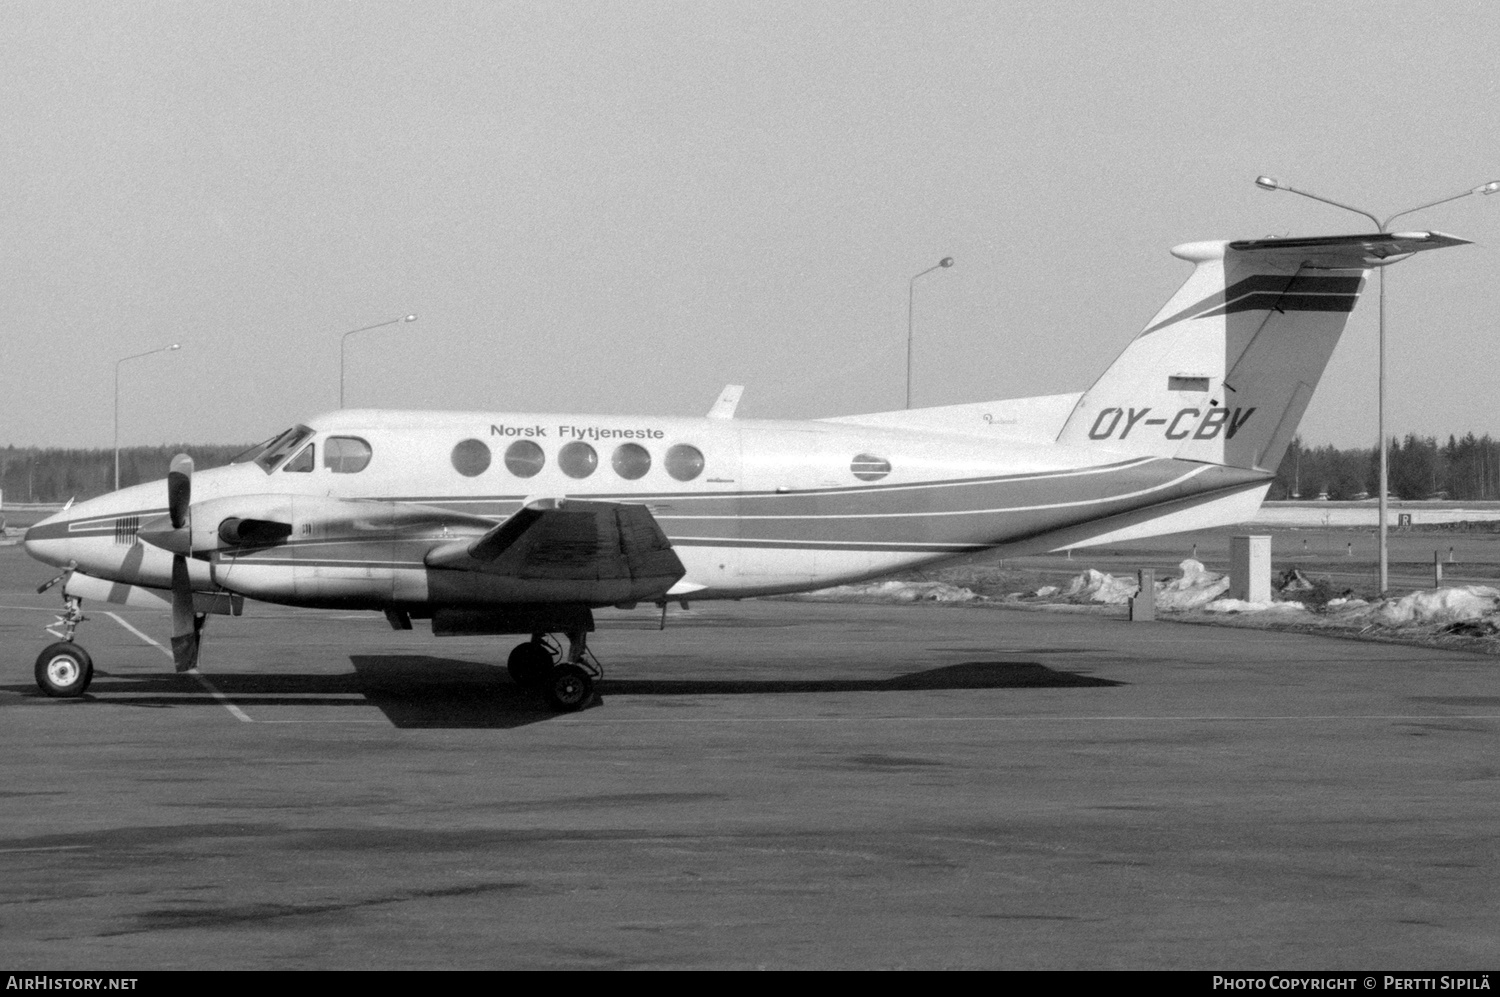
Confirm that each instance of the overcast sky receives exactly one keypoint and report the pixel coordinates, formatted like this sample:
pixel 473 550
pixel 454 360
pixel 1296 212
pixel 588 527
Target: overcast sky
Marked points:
pixel 622 207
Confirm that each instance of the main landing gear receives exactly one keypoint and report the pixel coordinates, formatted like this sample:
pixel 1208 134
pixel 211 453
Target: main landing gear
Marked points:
pixel 64 670
pixel 567 684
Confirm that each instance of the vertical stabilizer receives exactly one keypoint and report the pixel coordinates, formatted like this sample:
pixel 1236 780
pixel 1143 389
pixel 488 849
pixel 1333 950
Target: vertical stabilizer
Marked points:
pixel 1225 371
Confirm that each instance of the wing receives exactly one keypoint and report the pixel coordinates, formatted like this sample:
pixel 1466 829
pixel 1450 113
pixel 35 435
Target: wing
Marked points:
pixel 555 550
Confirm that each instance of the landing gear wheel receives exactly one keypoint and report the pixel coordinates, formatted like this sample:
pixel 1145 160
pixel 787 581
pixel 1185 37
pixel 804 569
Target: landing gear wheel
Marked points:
pixel 569 688
pixel 529 663
pixel 64 670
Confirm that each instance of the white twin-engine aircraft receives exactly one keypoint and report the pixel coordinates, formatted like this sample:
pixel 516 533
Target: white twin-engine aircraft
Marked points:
pixel 523 523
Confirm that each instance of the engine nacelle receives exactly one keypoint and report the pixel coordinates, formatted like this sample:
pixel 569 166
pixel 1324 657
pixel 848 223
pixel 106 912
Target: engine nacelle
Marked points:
pixel 271 518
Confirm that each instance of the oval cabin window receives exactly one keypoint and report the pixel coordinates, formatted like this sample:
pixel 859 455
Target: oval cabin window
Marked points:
pixel 524 459
pixel 631 461
pixel 471 458
pixel 346 454
pixel 684 462
pixel 868 467
pixel 577 460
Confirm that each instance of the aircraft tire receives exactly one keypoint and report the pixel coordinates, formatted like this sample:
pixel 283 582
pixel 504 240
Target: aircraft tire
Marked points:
pixel 64 670
pixel 568 688
pixel 529 663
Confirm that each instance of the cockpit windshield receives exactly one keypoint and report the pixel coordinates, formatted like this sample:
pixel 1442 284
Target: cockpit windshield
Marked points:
pixel 246 456
pixel 275 450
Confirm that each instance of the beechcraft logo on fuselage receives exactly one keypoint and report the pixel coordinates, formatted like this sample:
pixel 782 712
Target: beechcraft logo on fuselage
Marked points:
pixel 1117 423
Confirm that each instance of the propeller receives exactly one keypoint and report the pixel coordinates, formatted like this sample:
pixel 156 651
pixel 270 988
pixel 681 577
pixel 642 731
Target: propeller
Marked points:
pixel 186 624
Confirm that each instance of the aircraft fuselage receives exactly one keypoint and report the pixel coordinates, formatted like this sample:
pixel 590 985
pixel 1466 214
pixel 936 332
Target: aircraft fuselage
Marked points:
pixel 750 507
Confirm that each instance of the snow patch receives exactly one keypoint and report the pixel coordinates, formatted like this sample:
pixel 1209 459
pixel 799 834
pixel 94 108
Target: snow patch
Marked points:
pixel 1196 587
pixel 1096 586
pixel 1241 606
pixel 1445 605
pixel 891 592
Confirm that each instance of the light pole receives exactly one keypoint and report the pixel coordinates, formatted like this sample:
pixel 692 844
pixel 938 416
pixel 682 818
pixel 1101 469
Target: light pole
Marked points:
pixel 135 356
pixel 377 325
pixel 1271 183
pixel 911 295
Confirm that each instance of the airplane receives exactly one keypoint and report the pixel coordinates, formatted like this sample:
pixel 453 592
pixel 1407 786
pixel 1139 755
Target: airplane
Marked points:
pixel 524 523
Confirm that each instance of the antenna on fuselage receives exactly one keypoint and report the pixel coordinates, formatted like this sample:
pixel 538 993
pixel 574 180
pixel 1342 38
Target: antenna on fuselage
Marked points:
pixel 729 400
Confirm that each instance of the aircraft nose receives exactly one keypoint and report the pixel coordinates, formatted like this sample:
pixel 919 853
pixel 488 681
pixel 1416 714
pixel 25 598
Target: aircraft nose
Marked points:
pixel 48 540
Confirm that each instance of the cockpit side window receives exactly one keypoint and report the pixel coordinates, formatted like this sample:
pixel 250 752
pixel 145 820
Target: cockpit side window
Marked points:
pixel 276 451
pixel 346 454
pixel 304 461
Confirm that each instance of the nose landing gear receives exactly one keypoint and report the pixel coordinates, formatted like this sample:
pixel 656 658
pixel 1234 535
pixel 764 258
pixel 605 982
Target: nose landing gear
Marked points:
pixel 64 670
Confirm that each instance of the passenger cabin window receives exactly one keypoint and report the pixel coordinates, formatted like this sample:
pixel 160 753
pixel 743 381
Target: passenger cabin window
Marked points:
pixel 577 460
pixel 275 450
pixel 303 462
pixel 684 462
pixel 524 459
pixel 471 458
pixel 631 461
pixel 346 454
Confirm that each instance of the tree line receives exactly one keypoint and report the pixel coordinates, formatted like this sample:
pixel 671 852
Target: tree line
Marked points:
pixel 1419 467
pixel 49 474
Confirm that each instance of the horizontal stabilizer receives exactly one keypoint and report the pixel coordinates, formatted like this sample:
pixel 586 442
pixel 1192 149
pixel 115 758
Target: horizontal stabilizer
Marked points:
pixel 1346 252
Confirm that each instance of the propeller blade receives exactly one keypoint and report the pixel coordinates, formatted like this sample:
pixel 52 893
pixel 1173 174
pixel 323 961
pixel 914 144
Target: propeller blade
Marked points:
pixel 185 625
pixel 180 489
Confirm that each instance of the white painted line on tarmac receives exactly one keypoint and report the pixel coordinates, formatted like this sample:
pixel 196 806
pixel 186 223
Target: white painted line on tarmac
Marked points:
pixel 234 711
pixel 375 721
pixel 154 643
pixel 575 721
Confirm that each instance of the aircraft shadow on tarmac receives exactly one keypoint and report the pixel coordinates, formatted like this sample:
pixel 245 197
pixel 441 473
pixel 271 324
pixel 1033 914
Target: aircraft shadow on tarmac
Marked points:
pixel 425 691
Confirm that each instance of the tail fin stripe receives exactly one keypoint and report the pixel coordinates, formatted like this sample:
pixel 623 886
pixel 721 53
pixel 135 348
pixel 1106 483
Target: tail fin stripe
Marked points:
pixel 1264 301
pixel 1256 286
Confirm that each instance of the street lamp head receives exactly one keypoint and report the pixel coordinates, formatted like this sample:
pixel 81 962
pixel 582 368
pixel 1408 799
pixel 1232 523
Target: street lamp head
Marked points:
pixel 410 318
pixel 174 346
pixel 946 261
pixel 1268 183
pixel 1488 188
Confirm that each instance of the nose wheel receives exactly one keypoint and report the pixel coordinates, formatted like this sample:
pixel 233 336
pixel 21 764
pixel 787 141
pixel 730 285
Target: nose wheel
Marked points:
pixel 64 670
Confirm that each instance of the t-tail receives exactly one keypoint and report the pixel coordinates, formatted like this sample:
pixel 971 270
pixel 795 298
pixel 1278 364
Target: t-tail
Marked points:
pixel 1224 372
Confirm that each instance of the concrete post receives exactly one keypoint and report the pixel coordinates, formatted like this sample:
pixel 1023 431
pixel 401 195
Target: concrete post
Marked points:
pixel 1437 569
pixel 1143 603
pixel 1250 568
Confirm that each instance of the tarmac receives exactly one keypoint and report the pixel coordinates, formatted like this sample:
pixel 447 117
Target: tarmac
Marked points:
pixel 762 784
